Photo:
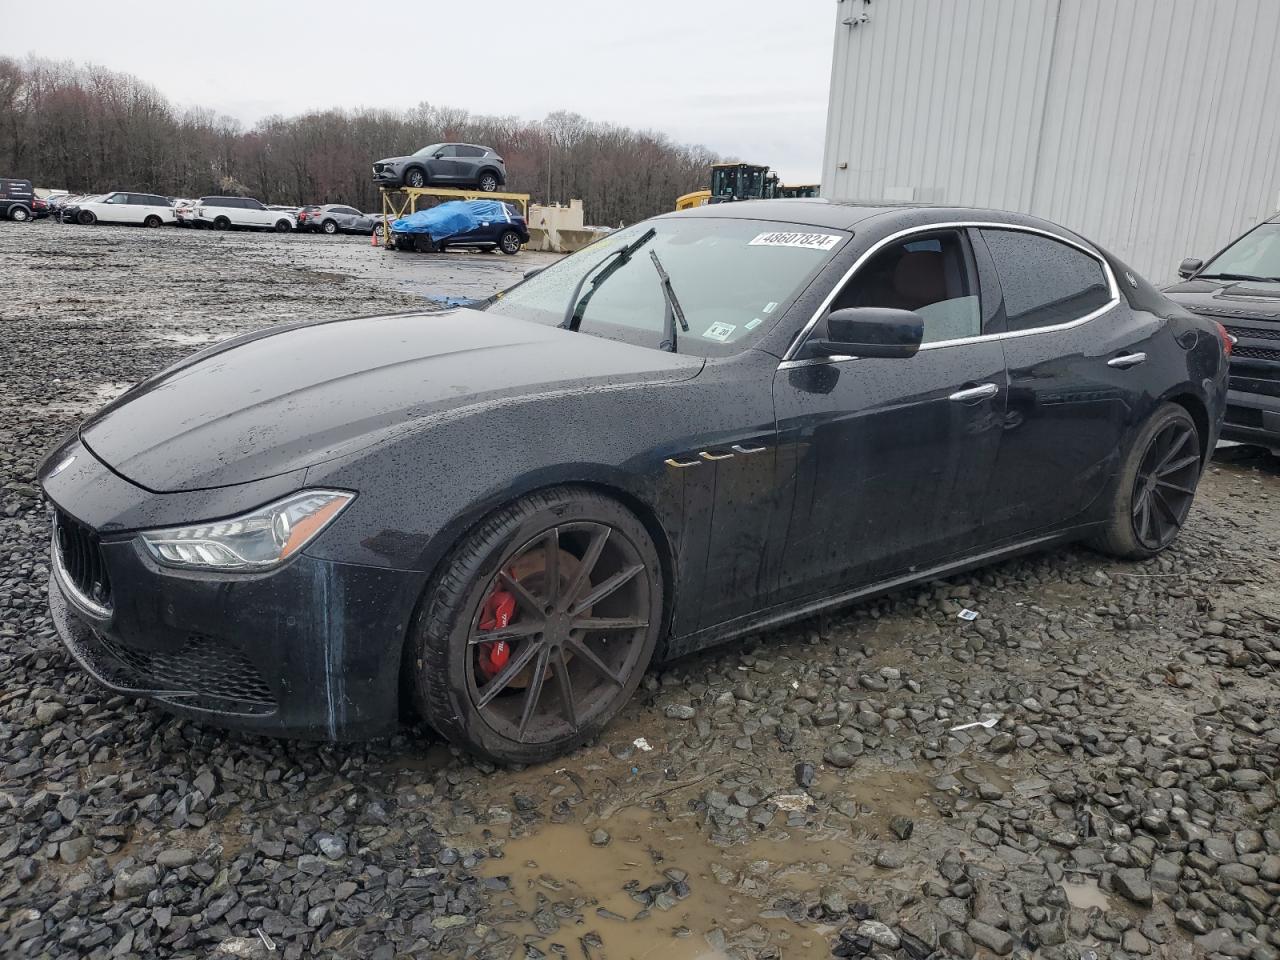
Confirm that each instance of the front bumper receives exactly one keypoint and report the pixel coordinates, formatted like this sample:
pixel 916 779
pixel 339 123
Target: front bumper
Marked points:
pixel 389 178
pixel 310 650
pixel 1252 418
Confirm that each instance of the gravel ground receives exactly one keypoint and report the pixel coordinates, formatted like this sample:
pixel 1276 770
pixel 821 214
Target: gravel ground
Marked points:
pixel 817 790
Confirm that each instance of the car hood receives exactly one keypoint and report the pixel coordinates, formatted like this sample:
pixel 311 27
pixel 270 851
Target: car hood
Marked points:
pixel 1250 299
pixel 286 398
pixel 392 160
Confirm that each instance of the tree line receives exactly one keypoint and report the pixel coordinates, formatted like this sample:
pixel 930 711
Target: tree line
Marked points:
pixel 89 129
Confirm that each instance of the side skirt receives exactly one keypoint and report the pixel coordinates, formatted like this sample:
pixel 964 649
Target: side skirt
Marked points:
pixel 778 616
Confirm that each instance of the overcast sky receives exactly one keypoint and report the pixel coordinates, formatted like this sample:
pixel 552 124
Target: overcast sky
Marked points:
pixel 746 78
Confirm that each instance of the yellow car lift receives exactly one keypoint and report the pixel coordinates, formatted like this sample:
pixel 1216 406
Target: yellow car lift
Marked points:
pixel 394 207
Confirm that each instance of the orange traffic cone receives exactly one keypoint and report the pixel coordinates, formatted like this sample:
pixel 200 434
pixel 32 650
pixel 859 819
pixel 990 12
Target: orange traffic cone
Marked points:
pixel 373 237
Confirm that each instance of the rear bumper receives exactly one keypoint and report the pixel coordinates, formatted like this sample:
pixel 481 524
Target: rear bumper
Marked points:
pixel 1252 418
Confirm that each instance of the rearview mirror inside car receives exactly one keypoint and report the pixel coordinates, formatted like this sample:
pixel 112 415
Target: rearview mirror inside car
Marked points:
pixel 1189 267
pixel 870 332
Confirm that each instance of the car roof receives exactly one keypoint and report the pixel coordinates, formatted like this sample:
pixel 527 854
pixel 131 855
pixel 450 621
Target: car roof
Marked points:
pixel 846 214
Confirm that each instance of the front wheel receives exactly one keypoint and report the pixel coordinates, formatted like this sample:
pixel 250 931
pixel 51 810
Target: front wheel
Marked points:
pixel 509 242
pixel 540 626
pixel 1156 486
pixel 19 214
pixel 415 178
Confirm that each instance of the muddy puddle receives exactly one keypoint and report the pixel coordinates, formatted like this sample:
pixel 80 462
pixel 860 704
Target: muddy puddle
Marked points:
pixel 660 889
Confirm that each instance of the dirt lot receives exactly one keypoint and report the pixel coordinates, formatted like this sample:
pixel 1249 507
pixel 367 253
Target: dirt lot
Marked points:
pixel 816 790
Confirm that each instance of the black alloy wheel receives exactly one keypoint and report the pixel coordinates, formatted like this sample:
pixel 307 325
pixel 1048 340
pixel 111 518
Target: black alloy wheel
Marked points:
pixel 1166 484
pixel 488 183
pixel 283 226
pixel 1154 486
pixel 87 218
pixel 221 223
pixel 541 628
pixel 151 221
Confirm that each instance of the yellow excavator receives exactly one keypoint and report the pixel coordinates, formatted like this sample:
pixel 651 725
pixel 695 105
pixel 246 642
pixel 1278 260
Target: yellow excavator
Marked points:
pixel 742 181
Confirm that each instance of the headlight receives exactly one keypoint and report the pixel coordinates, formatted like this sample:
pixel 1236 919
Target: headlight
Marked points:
pixel 254 541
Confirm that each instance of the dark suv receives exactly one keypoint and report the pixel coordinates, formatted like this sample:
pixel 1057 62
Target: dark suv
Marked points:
pixel 1240 288
pixel 444 165
pixel 17 199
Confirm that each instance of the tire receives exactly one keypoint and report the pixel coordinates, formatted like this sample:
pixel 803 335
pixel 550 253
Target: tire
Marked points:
pixel 415 177
pixel 513 547
pixel 19 214
pixel 283 226
pixel 221 223
pixel 86 218
pixel 488 182
pixel 1155 487
pixel 329 227
pixel 509 242
pixel 152 221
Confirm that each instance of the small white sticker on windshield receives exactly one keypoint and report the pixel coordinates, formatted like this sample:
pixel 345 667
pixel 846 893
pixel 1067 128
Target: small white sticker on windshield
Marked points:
pixel 719 331
pixel 782 238
pixel 752 324
pixel 769 307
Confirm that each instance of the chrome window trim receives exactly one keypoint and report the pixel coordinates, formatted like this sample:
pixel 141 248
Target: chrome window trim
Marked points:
pixel 788 361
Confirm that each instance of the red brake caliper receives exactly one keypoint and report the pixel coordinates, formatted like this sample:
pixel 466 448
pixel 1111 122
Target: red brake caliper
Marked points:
pixel 497 612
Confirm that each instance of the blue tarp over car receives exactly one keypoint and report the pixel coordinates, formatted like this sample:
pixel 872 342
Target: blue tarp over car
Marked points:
pixel 453 217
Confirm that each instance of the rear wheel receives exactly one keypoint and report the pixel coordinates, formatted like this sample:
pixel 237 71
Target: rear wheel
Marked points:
pixel 221 223
pixel 283 226
pixel 422 243
pixel 151 221
pixel 509 242
pixel 87 218
pixel 488 182
pixel 329 227
pixel 540 627
pixel 415 178
pixel 1156 487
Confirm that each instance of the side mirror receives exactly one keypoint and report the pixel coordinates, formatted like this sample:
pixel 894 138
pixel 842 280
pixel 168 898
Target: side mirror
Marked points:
pixel 437 155
pixel 871 332
pixel 1189 267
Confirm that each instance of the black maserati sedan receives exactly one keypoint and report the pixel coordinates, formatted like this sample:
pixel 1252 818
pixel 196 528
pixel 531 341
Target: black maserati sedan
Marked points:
pixel 1240 288
pixel 699 427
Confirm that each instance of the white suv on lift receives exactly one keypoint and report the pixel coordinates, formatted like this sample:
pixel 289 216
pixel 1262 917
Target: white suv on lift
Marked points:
pixel 120 207
pixel 221 213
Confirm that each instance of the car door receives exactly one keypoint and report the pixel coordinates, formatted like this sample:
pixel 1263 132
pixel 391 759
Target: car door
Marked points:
pixel 890 459
pixel 256 214
pixel 442 169
pixel 1075 352
pixel 117 209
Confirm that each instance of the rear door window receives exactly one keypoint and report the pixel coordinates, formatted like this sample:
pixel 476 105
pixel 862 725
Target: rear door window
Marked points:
pixel 1045 281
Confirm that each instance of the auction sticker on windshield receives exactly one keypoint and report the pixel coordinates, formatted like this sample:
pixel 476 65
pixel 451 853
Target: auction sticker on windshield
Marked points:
pixel 719 331
pixel 783 238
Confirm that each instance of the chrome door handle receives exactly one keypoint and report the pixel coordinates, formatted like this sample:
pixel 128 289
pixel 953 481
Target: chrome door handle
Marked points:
pixel 975 393
pixel 1127 361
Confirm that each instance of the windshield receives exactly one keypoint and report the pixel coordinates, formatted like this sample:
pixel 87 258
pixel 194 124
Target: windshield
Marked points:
pixel 733 279
pixel 1256 255
pixel 429 150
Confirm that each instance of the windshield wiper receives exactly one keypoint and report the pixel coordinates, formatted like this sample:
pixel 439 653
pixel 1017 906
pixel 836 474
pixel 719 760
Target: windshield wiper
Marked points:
pixel 673 311
pixel 578 302
pixel 1232 276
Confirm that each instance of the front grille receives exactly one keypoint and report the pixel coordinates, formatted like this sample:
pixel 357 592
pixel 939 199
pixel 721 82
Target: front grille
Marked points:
pixel 1255 353
pixel 1254 333
pixel 80 556
pixel 1243 416
pixel 203 666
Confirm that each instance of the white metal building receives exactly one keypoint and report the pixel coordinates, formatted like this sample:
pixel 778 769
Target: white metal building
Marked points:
pixel 1149 126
